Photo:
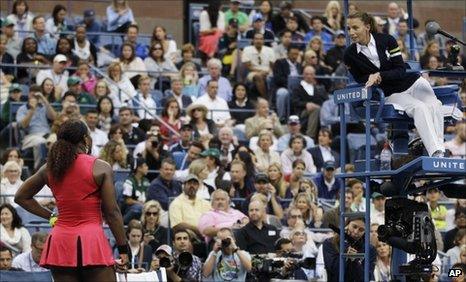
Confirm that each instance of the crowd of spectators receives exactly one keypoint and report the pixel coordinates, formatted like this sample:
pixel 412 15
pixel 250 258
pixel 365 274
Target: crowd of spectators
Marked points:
pixel 223 142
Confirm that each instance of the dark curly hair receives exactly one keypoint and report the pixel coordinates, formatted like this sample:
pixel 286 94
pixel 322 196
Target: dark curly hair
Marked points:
pixel 17 221
pixel 64 152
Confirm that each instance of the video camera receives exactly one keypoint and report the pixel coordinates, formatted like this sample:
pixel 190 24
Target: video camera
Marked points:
pixel 263 266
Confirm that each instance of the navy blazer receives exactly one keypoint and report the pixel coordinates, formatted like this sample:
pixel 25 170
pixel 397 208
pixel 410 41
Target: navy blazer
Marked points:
pixel 281 72
pixel 392 69
pixel 319 160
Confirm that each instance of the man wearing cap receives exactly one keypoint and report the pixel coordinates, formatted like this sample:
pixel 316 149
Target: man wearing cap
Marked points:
pixel 57 74
pixel 317 24
pixel 263 186
pixel 34 118
pixel 92 25
pixel 307 99
pixel 258 26
pixel 294 127
pixel 286 11
pixel 378 208
pixel 83 98
pixel 46 43
pixel 13 43
pixel 134 190
pixel 334 56
pixel 14 95
pixel 323 152
pixel 282 69
pixel 234 12
pixel 176 92
pixel 326 183
pixel 187 209
pixel 186 135
pixel 220 216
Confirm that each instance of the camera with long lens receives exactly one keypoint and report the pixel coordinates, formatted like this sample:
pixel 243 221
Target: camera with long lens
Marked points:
pixel 184 261
pixel 226 243
pixel 265 267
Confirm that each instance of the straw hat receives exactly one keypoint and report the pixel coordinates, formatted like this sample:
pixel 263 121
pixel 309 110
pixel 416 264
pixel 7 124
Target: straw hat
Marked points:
pixel 192 107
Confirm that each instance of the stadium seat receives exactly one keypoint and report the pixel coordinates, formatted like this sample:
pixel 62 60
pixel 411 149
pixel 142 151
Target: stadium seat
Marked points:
pixel 178 158
pixel 13 276
pixel 120 175
pixel 119 192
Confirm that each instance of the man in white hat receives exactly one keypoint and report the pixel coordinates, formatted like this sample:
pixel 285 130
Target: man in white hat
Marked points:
pixel 57 74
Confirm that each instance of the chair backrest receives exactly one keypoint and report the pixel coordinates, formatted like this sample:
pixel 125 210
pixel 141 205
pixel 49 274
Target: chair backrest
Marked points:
pixel 42 276
pixel 120 175
pixel 178 158
pixel 119 192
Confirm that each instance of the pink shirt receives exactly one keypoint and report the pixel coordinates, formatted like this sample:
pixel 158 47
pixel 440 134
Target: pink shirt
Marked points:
pixel 219 219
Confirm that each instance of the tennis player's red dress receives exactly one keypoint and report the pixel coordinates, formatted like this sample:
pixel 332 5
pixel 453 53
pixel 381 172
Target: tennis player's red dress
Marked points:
pixel 79 219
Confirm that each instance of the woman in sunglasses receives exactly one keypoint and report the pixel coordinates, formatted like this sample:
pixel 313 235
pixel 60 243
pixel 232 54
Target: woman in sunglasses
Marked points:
pixel 155 235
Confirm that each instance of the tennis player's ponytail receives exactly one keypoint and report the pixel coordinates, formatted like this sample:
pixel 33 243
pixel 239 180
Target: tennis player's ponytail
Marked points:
pixel 366 19
pixel 64 151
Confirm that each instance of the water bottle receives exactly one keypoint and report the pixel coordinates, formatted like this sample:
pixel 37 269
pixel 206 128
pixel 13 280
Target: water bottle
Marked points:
pixel 386 158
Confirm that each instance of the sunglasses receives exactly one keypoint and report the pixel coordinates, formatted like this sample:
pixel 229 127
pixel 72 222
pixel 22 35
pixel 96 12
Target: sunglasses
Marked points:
pixel 152 213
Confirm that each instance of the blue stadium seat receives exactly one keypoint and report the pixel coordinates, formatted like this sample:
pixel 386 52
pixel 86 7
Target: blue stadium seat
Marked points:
pixel 178 158
pixel 120 175
pixel 13 276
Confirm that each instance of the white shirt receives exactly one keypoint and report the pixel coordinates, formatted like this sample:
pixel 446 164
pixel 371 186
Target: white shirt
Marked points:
pixel 8 188
pixel 215 104
pixel 126 93
pixel 370 51
pixel 377 216
pixel 27 263
pixel 134 68
pixel 251 54
pixel 204 22
pixel 326 154
pixel 99 139
pixel 148 103
pixel 85 52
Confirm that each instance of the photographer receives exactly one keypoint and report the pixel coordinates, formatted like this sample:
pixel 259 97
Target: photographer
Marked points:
pixel 186 266
pixel 354 243
pixel 283 247
pixel 226 262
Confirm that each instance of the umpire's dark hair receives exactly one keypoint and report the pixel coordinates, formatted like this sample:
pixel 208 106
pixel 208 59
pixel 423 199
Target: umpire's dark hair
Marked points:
pixel 366 19
pixel 64 152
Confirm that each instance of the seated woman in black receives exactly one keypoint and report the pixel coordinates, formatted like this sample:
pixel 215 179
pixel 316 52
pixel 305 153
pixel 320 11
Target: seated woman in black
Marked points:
pixel 375 59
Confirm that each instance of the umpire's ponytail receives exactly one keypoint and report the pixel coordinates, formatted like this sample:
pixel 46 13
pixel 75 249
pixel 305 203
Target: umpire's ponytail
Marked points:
pixel 366 19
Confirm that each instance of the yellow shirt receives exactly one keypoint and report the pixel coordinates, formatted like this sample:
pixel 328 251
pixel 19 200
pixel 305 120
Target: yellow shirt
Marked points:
pixel 182 209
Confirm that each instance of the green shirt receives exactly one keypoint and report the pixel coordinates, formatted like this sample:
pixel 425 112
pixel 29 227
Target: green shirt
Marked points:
pixel 240 16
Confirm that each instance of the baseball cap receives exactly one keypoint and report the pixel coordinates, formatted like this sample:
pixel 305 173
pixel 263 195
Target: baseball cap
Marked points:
pixel 14 87
pixel 60 58
pixel 257 17
pixel 7 22
pixel 235 2
pixel 376 195
pixel 211 152
pixel 73 80
pixel 292 120
pixel 164 248
pixel 186 126
pixel 261 177
pixel 233 22
pixel 329 165
pixel 191 177
pixel 340 33
pixel 286 5
pixel 89 13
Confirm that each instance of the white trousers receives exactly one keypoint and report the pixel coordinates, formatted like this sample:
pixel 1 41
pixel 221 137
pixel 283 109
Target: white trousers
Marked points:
pixel 420 103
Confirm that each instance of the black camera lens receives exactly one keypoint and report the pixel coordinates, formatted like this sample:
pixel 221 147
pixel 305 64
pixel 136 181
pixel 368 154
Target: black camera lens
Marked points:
pixel 185 259
pixel 155 143
pixel 165 262
pixel 226 242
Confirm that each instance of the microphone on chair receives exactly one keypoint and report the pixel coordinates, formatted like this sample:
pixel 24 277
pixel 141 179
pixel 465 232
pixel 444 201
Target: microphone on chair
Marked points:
pixel 432 28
